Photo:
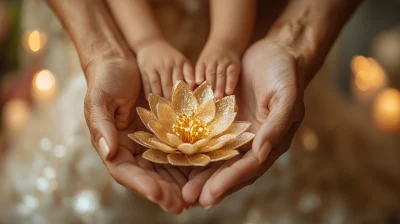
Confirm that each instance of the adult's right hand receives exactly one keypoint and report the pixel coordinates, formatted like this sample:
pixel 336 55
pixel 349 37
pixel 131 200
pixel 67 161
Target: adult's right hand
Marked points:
pixel 114 89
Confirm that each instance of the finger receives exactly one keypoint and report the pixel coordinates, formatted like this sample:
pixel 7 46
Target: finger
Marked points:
pixel 155 82
pixel 177 73
pixel 211 72
pixel 232 78
pixel 277 123
pixel 192 190
pixel 221 80
pixel 200 72
pixel 146 85
pixel 177 175
pixel 240 174
pixel 166 81
pixel 188 73
pixel 99 114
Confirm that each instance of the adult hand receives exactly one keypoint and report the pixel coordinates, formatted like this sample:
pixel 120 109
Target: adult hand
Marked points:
pixel 113 93
pixel 270 96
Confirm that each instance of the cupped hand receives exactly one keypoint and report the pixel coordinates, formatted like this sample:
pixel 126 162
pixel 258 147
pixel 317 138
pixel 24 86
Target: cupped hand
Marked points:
pixel 114 90
pixel 270 95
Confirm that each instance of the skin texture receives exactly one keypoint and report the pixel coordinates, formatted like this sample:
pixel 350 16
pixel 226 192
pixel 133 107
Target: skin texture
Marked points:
pixel 276 71
pixel 161 65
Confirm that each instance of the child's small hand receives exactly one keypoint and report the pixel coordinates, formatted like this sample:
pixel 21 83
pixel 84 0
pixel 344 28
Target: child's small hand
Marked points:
pixel 219 65
pixel 161 66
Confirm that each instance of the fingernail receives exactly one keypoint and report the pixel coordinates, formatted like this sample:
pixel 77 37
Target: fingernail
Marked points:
pixel 104 150
pixel 208 207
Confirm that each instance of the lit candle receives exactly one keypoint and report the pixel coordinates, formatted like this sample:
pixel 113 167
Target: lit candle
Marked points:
pixel 44 86
pixel 386 111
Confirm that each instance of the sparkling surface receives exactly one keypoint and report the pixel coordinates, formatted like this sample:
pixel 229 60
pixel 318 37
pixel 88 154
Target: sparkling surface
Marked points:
pixel 189 128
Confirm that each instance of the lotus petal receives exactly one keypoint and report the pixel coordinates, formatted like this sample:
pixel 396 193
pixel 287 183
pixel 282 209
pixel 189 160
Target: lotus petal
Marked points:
pixel 188 148
pixel 237 128
pixel 225 106
pixel 204 93
pixel 156 156
pixel 173 140
pixel 199 160
pixel 154 100
pixel 183 100
pixel 221 124
pixel 166 115
pixel 178 159
pixel 161 132
pixel 146 116
pixel 142 138
pixel 217 143
pixel 239 141
pixel 206 111
pixel 157 144
pixel 222 154
pixel 202 143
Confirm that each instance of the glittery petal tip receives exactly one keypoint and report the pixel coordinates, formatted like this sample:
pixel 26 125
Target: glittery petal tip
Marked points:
pixel 221 124
pixel 188 148
pixel 217 143
pixel 225 106
pixel 237 128
pixel 183 100
pixel 166 115
pixel 155 156
pixel 154 100
pixel 203 93
pixel 239 141
pixel 142 137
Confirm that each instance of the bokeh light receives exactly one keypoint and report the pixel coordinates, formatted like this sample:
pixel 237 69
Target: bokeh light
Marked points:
pixel 310 140
pixel 34 41
pixel 16 114
pixel 386 111
pixel 44 86
pixel 368 73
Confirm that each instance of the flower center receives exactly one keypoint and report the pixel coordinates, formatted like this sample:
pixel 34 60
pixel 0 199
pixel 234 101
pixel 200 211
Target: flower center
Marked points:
pixel 189 128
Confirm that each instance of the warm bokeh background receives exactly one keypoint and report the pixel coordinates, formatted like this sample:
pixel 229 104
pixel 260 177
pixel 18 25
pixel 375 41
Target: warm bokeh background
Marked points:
pixel 343 167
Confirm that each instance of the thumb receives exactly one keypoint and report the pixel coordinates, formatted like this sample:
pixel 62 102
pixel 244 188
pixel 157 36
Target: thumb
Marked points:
pixel 99 114
pixel 276 125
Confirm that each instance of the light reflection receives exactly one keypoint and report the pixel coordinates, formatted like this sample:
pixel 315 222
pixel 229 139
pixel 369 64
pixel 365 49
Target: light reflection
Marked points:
pixel 386 110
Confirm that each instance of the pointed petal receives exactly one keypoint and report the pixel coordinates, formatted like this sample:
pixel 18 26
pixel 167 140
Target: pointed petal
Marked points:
pixel 166 115
pixel 237 128
pixel 154 100
pixel 157 144
pixel 221 124
pixel 222 154
pixel 199 160
pixel 161 132
pixel 173 140
pixel 178 159
pixel 239 141
pixel 203 93
pixel 206 111
pixel 217 143
pixel 146 116
pixel 155 156
pixel 142 138
pixel 225 106
pixel 188 148
pixel 202 143
pixel 183 100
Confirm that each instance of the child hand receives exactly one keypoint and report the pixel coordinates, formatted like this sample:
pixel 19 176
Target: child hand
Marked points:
pixel 219 65
pixel 161 66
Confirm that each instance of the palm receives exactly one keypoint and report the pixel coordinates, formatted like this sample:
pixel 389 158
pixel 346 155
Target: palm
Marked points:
pixel 115 88
pixel 266 89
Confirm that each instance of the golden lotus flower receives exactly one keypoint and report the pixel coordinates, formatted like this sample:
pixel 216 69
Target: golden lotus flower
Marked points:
pixel 193 129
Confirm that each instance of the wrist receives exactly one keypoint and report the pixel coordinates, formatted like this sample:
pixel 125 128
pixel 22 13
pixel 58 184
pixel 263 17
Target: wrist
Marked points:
pixel 234 44
pixel 146 42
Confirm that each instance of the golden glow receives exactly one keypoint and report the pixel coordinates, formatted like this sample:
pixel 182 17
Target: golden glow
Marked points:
pixel 189 128
pixel 387 110
pixel 310 140
pixel 16 114
pixel 44 80
pixel 34 41
pixel 369 74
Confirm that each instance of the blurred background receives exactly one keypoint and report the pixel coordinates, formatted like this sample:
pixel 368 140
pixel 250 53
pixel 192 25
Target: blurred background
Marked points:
pixel 343 167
